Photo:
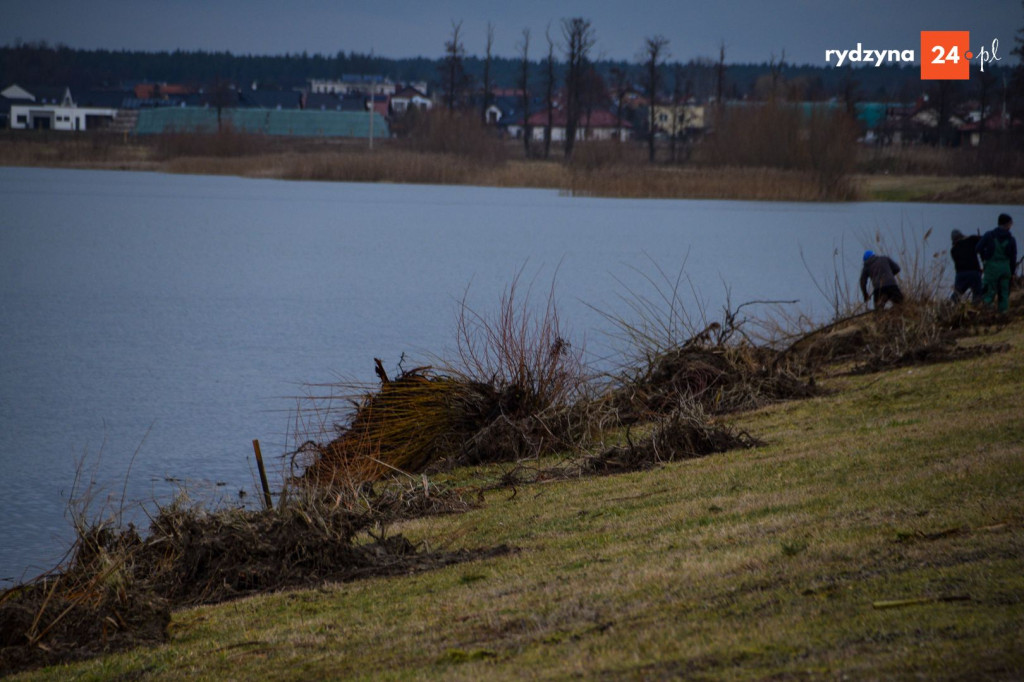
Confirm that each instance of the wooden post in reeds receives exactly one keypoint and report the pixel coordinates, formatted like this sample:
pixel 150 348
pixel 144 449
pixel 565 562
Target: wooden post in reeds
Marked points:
pixel 267 502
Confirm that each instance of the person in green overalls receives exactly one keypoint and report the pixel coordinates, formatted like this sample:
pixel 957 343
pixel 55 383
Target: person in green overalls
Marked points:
pixel 998 251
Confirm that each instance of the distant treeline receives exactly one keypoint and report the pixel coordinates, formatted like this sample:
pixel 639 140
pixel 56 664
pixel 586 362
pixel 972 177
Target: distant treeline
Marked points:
pixel 42 64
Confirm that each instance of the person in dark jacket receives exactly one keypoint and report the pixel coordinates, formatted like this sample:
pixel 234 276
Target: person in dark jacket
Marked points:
pixel 998 251
pixel 882 271
pixel 968 269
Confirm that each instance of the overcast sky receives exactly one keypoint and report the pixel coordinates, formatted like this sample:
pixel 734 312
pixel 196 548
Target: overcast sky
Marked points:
pixel 752 30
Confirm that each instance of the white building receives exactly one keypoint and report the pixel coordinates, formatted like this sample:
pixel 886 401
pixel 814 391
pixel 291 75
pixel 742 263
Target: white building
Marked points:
pixel 57 117
pixel 52 108
pixel 347 85
pixel 408 98
pixel 596 125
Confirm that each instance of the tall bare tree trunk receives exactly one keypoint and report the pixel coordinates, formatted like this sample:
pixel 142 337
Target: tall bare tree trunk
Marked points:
pixel 453 74
pixel 549 95
pixel 488 85
pixel 579 39
pixel 655 51
pixel 524 89
pixel 620 92
pixel 720 75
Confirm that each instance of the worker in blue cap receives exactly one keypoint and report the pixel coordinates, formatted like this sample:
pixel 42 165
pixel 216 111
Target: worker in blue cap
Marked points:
pixel 882 271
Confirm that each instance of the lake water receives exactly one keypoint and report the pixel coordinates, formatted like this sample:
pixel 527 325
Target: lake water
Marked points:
pixel 152 325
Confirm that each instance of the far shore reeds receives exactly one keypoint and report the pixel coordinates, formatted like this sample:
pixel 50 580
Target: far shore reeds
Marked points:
pixel 768 155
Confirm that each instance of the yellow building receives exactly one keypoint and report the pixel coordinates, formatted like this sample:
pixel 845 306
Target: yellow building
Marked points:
pixel 679 119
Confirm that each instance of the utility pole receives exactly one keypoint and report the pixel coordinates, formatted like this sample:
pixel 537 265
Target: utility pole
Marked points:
pixel 371 118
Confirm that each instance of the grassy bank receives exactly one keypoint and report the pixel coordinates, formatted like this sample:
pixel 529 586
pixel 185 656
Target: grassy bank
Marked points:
pixel 878 534
pixel 942 189
pixel 600 169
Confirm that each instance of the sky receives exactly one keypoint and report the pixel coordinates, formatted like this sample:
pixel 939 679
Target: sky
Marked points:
pixel 752 30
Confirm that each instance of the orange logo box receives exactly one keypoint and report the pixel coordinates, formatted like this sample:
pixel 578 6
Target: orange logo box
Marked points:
pixel 945 55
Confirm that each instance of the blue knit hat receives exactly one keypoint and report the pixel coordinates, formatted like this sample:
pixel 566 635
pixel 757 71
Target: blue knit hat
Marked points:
pixel 868 254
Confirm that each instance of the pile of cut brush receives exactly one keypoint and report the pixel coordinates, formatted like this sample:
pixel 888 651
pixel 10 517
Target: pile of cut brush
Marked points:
pixel 685 432
pixel 426 421
pixel 118 588
pixel 720 378
pixel 911 334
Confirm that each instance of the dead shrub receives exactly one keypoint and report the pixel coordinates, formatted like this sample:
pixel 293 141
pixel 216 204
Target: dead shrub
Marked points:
pixel 685 432
pixel 673 352
pixel 420 418
pixel 98 605
pixel 515 390
pixel 721 378
pixel 118 588
pixel 914 333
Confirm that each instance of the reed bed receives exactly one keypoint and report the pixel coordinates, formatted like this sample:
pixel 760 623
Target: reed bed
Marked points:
pixel 762 153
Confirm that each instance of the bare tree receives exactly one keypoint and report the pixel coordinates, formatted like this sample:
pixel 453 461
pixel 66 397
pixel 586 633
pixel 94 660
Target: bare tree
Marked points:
pixel 488 94
pixel 549 92
pixel 619 82
pixel 222 96
pixel 593 95
pixel 524 88
pixel 453 72
pixel 654 53
pixel 775 69
pixel 678 106
pixel 945 95
pixel 850 87
pixel 720 74
pixel 578 35
pixel 1013 87
pixel 986 84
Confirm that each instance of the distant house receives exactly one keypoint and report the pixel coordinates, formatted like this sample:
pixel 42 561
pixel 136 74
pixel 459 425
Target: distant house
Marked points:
pixel 347 85
pixel 52 108
pixel 599 124
pixel 493 115
pixel 504 107
pixel 679 120
pixel 408 98
pixel 161 90
pixel 976 125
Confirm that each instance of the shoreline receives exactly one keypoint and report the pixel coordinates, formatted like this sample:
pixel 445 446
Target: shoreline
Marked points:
pixel 617 176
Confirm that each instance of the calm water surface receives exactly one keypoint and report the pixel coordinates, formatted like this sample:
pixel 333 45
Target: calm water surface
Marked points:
pixel 152 325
